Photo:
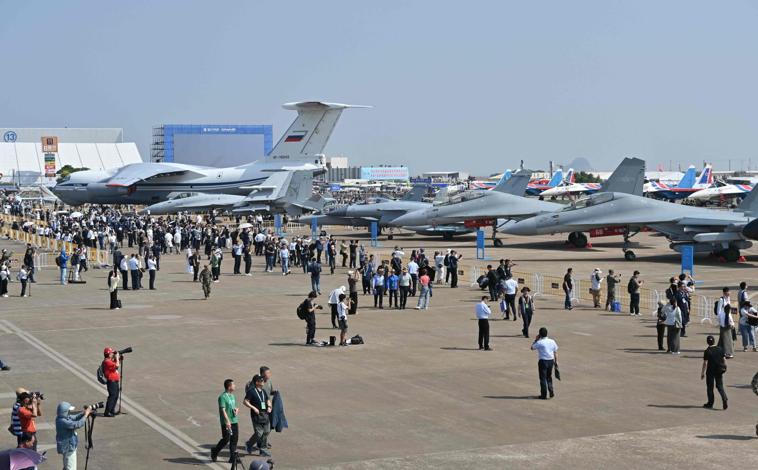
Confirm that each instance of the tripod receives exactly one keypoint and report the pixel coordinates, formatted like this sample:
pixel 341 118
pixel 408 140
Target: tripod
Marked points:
pixel 121 385
pixel 89 427
pixel 237 463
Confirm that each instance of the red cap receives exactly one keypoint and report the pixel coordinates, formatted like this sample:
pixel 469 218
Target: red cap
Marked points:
pixel 107 351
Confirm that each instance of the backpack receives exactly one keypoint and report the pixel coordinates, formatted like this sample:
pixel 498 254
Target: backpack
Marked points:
pixel 446 261
pixel 669 293
pixel 58 261
pixel 356 340
pixel 301 311
pixel 631 287
pixel 101 375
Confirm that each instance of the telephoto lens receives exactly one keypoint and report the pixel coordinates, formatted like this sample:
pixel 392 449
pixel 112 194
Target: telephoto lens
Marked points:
pixel 126 350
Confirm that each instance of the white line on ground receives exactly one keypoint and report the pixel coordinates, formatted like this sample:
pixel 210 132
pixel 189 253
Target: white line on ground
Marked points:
pixel 135 409
pixel 581 333
pixel 5 395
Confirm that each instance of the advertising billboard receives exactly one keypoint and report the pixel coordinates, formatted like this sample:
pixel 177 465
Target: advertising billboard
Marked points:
pixel 378 173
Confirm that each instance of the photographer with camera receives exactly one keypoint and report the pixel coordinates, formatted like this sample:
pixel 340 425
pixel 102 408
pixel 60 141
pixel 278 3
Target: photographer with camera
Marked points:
pixel 66 424
pixel 110 367
pixel 309 308
pixel 30 407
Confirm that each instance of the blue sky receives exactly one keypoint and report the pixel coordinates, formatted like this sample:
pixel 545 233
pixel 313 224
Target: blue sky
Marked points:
pixel 473 86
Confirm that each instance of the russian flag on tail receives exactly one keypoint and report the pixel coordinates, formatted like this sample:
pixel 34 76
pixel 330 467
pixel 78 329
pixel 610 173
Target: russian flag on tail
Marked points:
pixel 296 136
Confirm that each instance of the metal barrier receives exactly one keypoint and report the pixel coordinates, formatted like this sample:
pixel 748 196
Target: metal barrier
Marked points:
pixel 704 309
pixel 538 285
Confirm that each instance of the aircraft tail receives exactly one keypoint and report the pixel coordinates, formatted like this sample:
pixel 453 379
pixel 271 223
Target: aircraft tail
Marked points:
pixel 516 184
pixel 706 177
pixel 570 176
pixel 688 180
pixel 749 205
pixel 416 193
pixel 629 177
pixel 506 176
pixel 306 138
pixel 556 179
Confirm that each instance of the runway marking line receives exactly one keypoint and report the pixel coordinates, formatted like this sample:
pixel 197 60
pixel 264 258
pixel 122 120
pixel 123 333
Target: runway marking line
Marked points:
pixel 135 409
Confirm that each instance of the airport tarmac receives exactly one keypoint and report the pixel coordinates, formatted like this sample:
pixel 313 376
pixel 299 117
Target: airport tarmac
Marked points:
pixel 417 395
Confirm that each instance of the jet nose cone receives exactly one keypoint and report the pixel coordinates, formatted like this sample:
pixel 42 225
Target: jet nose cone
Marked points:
pixel 523 227
pixel 751 230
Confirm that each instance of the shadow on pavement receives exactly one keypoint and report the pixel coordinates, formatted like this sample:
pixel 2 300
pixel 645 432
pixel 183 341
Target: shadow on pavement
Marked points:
pixel 728 437
pixel 511 397
pixel 676 407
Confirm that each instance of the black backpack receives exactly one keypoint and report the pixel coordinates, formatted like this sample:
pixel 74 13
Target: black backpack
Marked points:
pixel 631 287
pixel 301 311
pixel 356 340
pixel 101 375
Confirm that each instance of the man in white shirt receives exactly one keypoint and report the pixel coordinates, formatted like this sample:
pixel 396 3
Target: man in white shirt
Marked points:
pixel 334 300
pixel 152 265
pixel 510 286
pixel 726 324
pixel 546 350
pixel 342 308
pixel 596 279
pixel 483 318
pixel 413 271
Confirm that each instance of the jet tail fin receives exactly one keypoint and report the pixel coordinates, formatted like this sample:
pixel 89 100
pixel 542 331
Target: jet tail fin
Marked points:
pixel 688 180
pixel 629 177
pixel 749 205
pixel 306 138
pixel 706 177
pixel 556 179
pixel 517 183
pixel 570 176
pixel 416 194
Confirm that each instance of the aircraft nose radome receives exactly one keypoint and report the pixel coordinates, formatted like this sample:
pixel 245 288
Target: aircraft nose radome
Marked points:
pixel 523 227
pixel 751 230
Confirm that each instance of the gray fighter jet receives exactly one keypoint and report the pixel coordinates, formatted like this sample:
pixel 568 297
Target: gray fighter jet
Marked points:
pixel 707 230
pixel 289 192
pixel 480 208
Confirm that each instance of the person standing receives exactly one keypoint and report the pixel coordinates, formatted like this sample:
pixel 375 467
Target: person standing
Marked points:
pixel 352 287
pixel 66 425
pixel 206 278
pixel 567 286
pixel 483 319
pixel 413 270
pixel 423 298
pixel 748 318
pixel 63 264
pixel 377 284
pixel 453 267
pixel 152 266
pixel 284 259
pixel 683 302
pixel 342 308
pixel 123 266
pixel 726 323
pixel 492 282
pixel 248 259
pixel 227 410
pixel 634 293
pixel 673 324
pixel 309 310
pixel 526 308
pixel 215 265
pixel 23 277
pixel 714 367
pixel 110 367
pixel 596 280
pixel 510 290
pixel 134 271
pixel 237 255
pixel 334 300
pixel 114 279
pixel 353 253
pixel 610 281
pixel 546 351
pixel 315 269
pixel 742 295
pixel 393 285
pixel 259 402
pixel 404 282
pixel 660 325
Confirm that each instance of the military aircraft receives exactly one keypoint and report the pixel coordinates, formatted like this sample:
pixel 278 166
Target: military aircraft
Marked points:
pixel 707 230
pixel 481 208
pixel 720 191
pixel 299 148
pixel 685 188
pixel 535 188
pixel 289 192
pixel 570 187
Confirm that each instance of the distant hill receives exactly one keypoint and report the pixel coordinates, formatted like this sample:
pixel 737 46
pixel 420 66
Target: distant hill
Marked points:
pixel 579 164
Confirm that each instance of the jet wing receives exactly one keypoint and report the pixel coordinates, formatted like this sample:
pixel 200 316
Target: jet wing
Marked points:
pixel 136 172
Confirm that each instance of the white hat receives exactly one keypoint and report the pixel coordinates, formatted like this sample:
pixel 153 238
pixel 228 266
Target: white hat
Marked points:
pixel 342 288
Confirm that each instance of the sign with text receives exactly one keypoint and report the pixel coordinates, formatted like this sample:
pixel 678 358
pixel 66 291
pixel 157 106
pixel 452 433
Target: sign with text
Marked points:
pixel 50 144
pixel 50 165
pixel 384 173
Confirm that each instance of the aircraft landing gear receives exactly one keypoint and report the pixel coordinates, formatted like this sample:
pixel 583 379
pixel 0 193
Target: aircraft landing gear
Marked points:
pixel 628 254
pixel 731 254
pixel 578 239
pixel 496 242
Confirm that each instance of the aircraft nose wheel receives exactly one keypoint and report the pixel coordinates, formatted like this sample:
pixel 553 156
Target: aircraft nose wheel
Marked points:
pixel 498 242
pixel 578 239
pixel 629 255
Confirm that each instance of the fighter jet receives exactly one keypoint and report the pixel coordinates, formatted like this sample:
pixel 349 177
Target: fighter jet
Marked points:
pixel 289 192
pixel 707 230
pixel 481 208
pixel 300 148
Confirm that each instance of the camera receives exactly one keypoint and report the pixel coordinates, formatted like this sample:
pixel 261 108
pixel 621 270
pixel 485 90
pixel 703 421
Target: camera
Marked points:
pixel 125 351
pixel 38 395
pixel 95 406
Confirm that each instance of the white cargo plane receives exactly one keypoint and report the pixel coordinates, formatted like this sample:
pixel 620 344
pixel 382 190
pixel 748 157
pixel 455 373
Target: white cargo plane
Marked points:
pixel 300 148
